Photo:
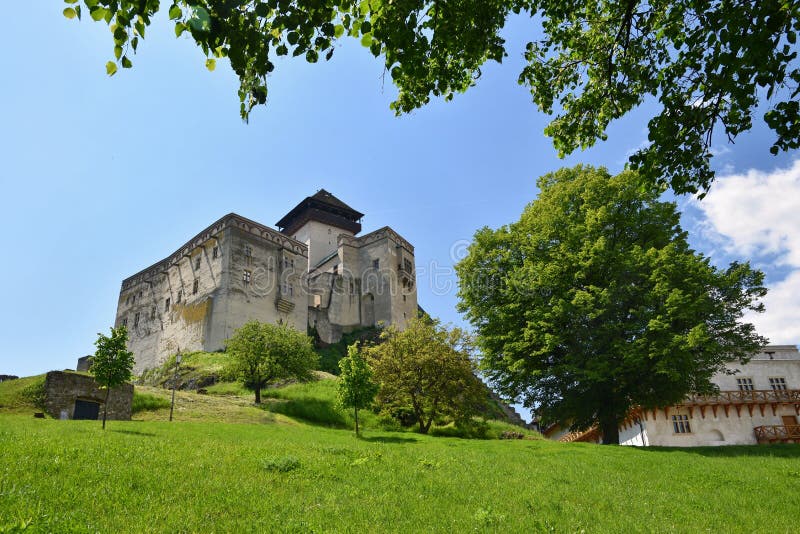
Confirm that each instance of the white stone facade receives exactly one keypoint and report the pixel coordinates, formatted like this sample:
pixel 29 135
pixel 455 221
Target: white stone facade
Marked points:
pixel 758 402
pixel 320 277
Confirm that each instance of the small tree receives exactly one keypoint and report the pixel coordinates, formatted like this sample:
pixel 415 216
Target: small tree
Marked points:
pixel 113 362
pixel 427 368
pixel 261 353
pixel 356 389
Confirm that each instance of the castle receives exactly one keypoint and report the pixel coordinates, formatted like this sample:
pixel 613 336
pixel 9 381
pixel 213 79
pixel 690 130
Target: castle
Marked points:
pixel 313 273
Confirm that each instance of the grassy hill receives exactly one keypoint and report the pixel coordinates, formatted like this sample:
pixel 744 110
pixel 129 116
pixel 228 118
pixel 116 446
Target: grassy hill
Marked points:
pixel 225 465
pixel 143 476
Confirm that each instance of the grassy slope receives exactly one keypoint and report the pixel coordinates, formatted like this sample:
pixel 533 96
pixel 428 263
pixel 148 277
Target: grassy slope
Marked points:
pixel 17 396
pixel 144 476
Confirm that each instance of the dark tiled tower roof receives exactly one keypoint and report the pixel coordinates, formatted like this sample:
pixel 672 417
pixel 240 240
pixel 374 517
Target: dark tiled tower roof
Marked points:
pixel 323 207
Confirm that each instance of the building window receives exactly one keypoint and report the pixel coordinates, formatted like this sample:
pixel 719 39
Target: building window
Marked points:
pixel 288 263
pixel 215 253
pixel 197 263
pixel 745 384
pixel 409 267
pixel 404 298
pixel 376 264
pixel 180 296
pixel 246 276
pixel 287 289
pixel 136 320
pixel 778 383
pixel 133 299
pixel 680 424
pixel 152 313
pixel 335 269
pixel 195 287
pixel 125 322
pixel 166 305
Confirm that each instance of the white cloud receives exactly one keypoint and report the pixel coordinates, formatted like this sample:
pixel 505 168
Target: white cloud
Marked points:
pixel 757 215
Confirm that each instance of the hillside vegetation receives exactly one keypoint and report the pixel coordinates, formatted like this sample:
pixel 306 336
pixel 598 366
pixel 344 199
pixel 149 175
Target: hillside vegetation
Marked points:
pixel 144 476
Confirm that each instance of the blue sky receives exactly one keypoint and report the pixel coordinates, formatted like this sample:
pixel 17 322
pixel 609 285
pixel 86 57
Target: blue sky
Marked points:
pixel 103 176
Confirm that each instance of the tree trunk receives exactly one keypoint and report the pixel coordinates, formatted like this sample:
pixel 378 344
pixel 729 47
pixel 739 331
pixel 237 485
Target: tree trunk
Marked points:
pixel 609 426
pixel 105 407
pixel 356 409
pixel 258 395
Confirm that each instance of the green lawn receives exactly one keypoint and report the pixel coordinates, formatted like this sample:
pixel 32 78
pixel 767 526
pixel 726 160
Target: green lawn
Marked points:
pixel 140 476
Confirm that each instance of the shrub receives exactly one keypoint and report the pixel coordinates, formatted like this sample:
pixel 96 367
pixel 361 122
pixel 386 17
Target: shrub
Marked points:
pixel 281 464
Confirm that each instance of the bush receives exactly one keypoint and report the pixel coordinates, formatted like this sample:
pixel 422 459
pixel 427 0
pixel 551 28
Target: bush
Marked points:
pixel 281 464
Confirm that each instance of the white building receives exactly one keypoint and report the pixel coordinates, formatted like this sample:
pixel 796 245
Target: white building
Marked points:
pixel 758 402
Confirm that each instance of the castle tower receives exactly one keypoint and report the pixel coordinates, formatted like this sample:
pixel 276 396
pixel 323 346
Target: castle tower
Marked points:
pixel 317 221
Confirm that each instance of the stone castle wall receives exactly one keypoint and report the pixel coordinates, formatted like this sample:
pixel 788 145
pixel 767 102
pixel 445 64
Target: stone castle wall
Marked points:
pixel 62 389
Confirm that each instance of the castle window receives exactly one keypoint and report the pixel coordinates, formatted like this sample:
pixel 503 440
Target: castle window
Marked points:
pixel 335 269
pixel 166 305
pixel 409 267
pixel 152 313
pixel 778 383
pixel 246 276
pixel 287 289
pixel 680 424
pixel 133 299
pixel 404 298
pixel 197 263
pixel 136 320
pixel 215 253
pixel 287 263
pixel 745 384
pixel 376 264
pixel 195 286
pixel 180 296
pixel 125 321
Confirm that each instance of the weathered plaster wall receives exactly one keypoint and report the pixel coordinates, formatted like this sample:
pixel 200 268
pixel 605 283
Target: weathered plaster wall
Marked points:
pixel 63 388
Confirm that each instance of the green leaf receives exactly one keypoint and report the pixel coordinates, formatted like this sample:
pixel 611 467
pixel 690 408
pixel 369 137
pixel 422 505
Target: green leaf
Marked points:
pixel 175 12
pixel 211 64
pixel 111 68
pixel 117 52
pixel 180 27
pixel 126 63
pixel 366 27
pixel 139 27
pixel 70 1
pixel 338 31
pixel 200 20
pixel 98 14
pixel 366 40
pixel 69 13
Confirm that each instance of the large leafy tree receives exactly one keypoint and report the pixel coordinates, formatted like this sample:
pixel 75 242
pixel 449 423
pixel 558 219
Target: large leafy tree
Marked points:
pixel 427 368
pixel 262 353
pixel 707 62
pixel 112 364
pixel 593 303
pixel 356 388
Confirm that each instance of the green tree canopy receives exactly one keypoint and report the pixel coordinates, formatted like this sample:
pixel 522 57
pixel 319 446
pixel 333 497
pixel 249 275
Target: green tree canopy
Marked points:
pixel 593 303
pixel 112 364
pixel 427 368
pixel 707 62
pixel 262 353
pixel 355 389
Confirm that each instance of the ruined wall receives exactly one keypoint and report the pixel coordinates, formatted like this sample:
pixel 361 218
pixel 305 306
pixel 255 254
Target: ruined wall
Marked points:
pixel 62 389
